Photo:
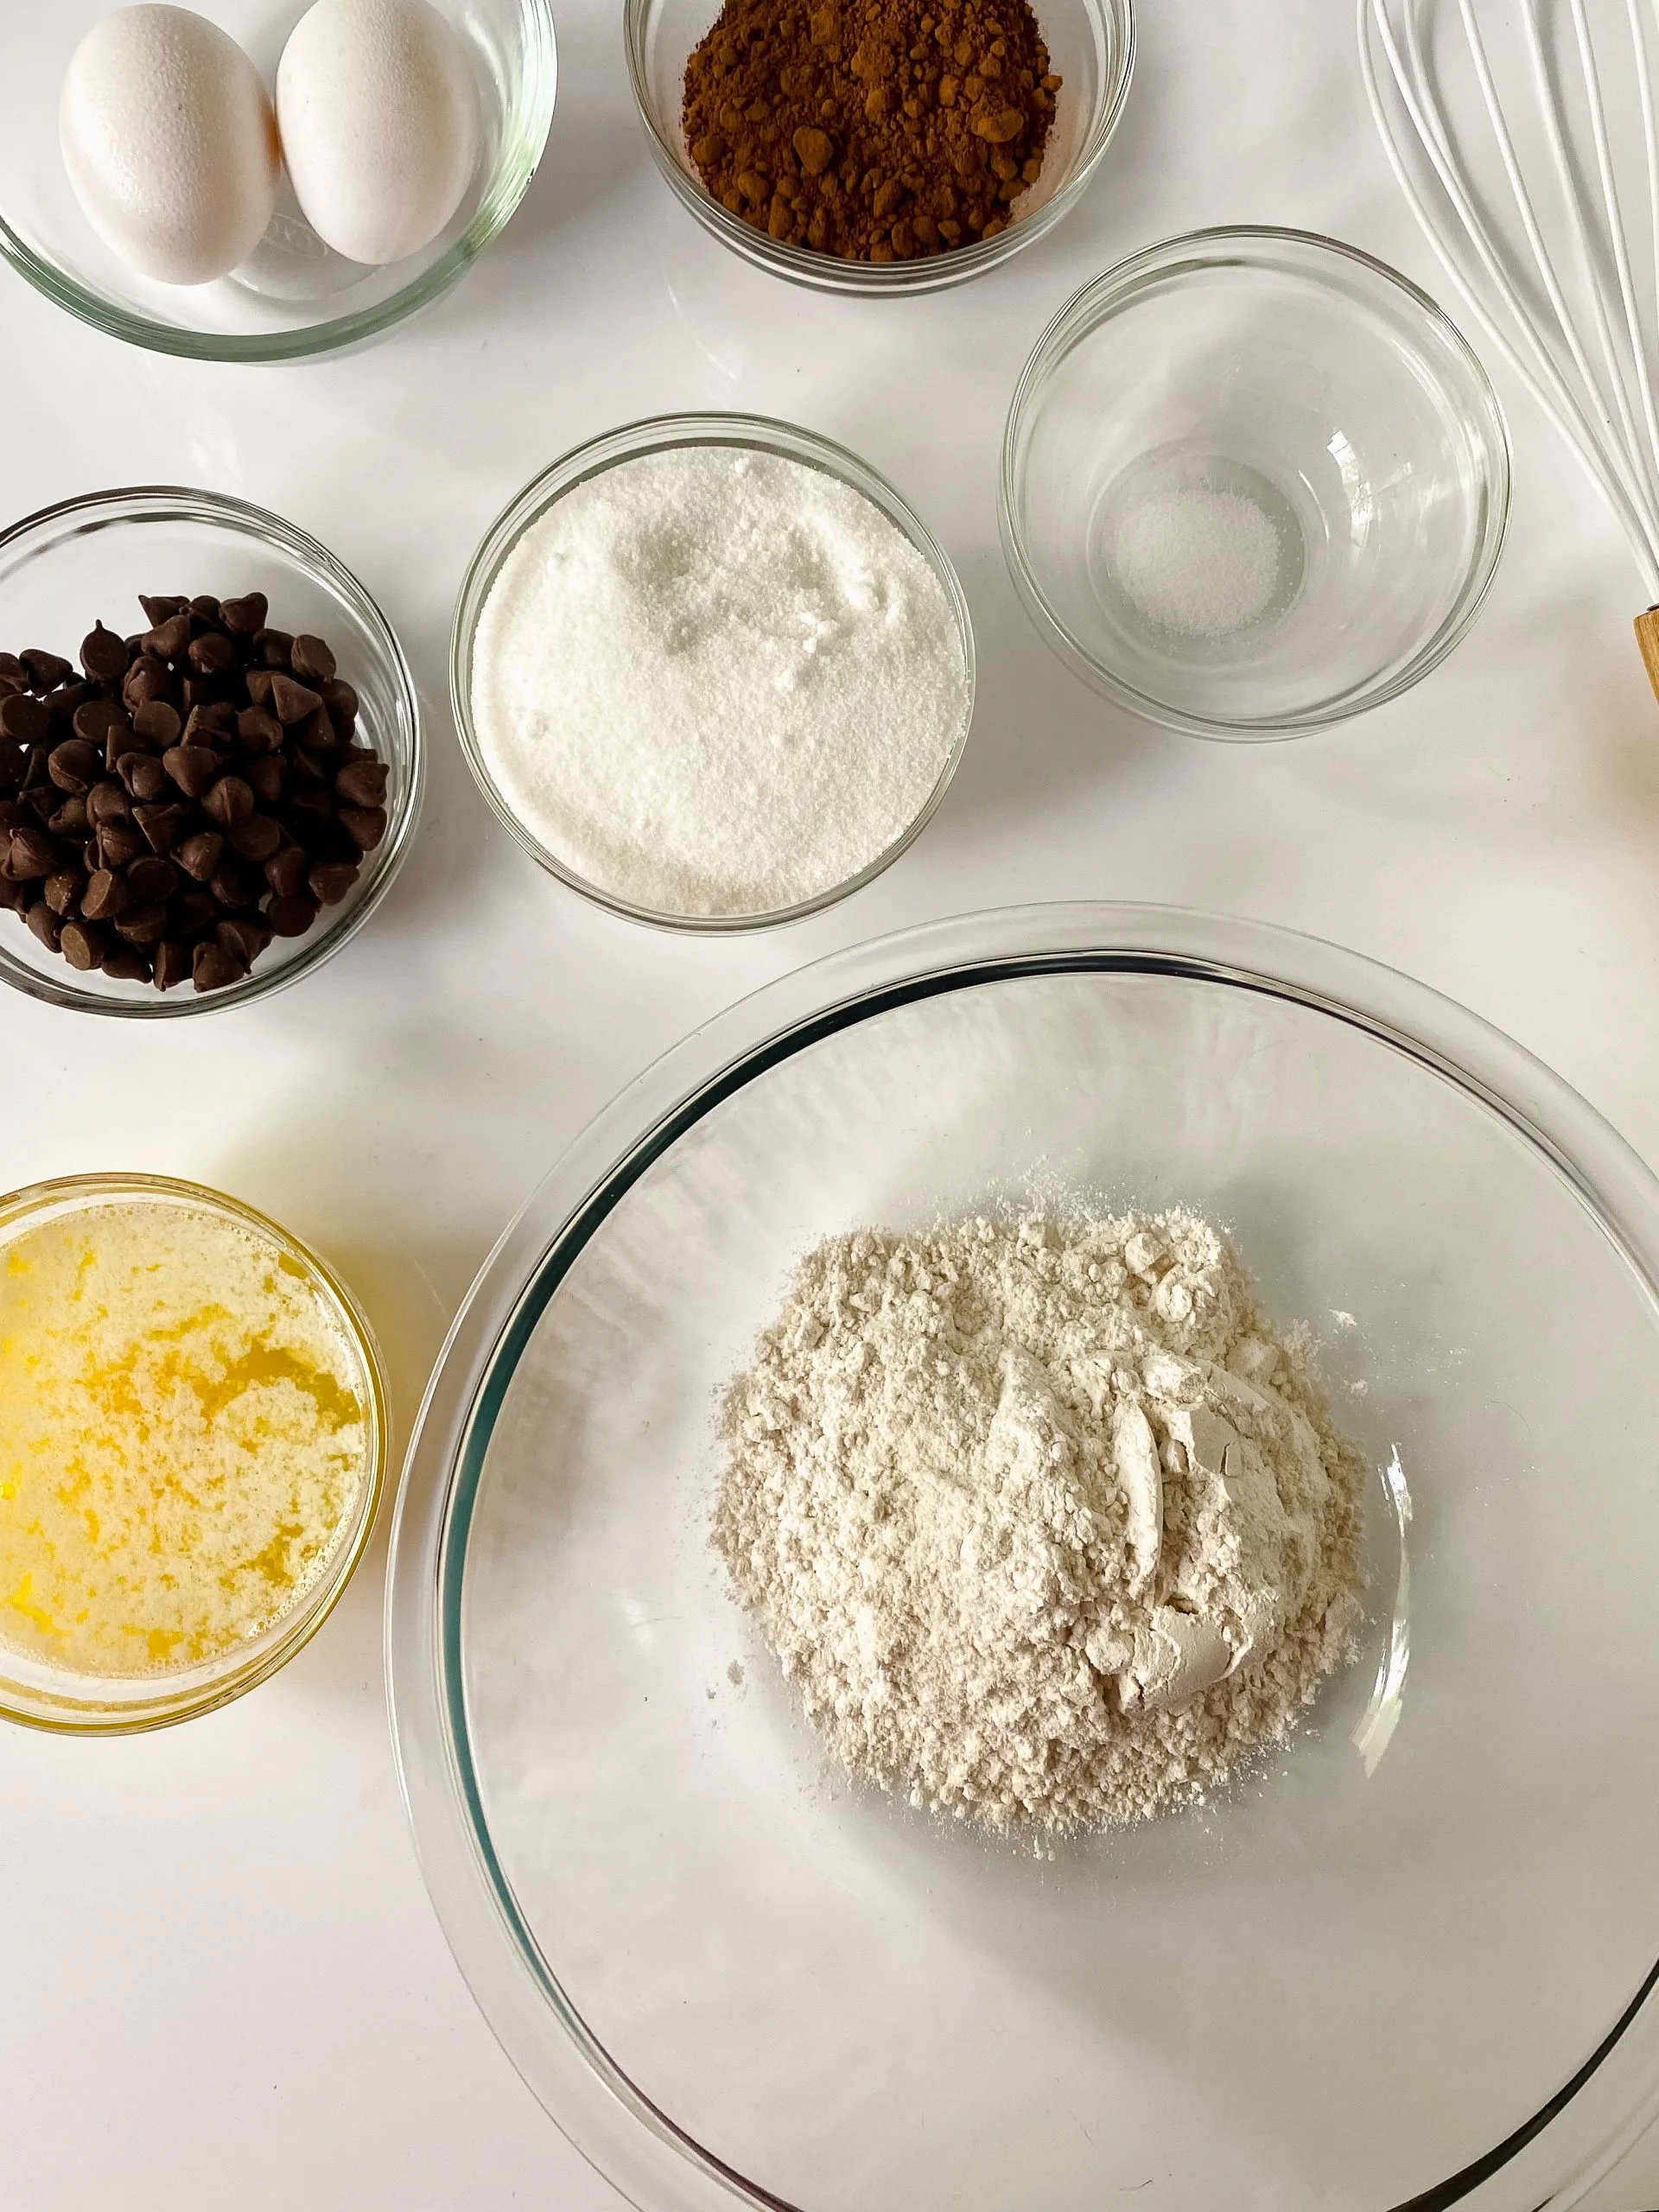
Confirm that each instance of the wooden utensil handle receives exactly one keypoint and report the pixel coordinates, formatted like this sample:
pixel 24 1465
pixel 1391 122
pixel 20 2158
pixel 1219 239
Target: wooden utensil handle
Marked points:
pixel 1646 636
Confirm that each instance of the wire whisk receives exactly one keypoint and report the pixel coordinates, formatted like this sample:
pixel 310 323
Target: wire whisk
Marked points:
pixel 1523 134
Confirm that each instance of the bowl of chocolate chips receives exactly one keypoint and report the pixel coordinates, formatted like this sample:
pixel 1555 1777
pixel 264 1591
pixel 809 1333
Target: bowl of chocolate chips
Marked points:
pixel 879 145
pixel 210 753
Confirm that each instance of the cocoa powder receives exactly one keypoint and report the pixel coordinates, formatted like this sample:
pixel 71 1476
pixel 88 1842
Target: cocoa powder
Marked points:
pixel 870 128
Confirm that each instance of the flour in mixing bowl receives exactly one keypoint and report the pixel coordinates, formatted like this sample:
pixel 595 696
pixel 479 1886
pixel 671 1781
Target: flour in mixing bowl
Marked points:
pixel 1045 1520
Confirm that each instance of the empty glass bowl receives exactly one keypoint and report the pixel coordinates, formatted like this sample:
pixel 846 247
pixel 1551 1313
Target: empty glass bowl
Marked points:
pixel 89 559
pixel 1253 482
pixel 295 296
pixel 1090 45
pixel 71 1700
pixel 1401 1961
pixel 662 434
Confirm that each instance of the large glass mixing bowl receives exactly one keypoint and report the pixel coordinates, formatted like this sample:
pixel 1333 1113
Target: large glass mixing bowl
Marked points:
pixel 1403 1964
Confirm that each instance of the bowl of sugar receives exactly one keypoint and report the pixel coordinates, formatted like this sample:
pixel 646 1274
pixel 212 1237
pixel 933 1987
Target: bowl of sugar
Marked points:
pixel 1253 483
pixel 712 672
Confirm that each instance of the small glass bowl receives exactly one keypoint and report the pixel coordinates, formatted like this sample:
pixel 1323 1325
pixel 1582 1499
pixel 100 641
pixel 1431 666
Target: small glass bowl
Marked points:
pixel 294 297
pixel 72 1703
pixel 1266 370
pixel 89 559
pixel 661 434
pixel 1090 44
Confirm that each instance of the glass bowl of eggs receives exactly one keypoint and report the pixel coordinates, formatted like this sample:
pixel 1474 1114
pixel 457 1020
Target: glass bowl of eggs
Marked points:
pixel 261 183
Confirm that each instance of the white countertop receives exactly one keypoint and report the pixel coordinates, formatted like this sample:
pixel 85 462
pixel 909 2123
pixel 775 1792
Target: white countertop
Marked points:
pixel 223 1983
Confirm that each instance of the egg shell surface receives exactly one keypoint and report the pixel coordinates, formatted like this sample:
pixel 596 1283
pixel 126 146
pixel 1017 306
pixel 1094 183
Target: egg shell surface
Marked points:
pixel 379 116
pixel 170 143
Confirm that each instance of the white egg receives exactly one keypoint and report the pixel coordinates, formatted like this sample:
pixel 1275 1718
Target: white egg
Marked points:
pixel 170 143
pixel 379 113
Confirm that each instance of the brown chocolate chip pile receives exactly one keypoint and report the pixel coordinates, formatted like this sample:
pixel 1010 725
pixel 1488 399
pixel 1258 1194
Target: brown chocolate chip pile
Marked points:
pixel 870 128
pixel 185 796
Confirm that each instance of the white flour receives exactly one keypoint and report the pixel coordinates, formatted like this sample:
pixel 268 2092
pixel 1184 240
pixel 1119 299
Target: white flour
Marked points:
pixel 716 683
pixel 1044 1521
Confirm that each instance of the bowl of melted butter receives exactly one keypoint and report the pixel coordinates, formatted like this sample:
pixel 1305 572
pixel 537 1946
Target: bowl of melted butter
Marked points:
pixel 193 1438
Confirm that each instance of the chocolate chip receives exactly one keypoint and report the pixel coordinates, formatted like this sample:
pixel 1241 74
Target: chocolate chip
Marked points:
pixel 106 895
pixel 146 680
pixel 212 968
pixel 152 881
pixel 291 916
pixel 107 803
pixel 144 776
pixel 94 718
pixel 163 825
pixel 31 853
pixel 331 880
pixel 172 963
pixel 168 639
pixel 143 925
pixel 24 718
pixel 274 648
pixel 244 940
pixel 212 653
pixel 363 783
pixel 266 779
pixel 45 670
pixel 103 655
pixel 234 883
pixel 83 945
pixel 157 723
pixel 259 682
pixel 245 617
pixel 229 802
pixel 206 607
pixel 162 610
pixel 70 820
pixel 291 702
pixel 285 871
pixel 127 963
pixel 342 703
pixel 11 760
pixel 255 836
pixel 14 897
pixel 118 842
pixel 311 660
pixel 198 855
pixel 193 912
pixel 74 764
pixel 192 768
pixel 258 730
pixel 45 924
pixel 365 825
pixel 63 891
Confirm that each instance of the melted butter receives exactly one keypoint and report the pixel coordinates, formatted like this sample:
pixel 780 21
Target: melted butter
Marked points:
pixel 183 1437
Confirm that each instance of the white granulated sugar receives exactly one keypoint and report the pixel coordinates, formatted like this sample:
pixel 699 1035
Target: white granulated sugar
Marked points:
pixel 1198 561
pixel 1045 1520
pixel 711 681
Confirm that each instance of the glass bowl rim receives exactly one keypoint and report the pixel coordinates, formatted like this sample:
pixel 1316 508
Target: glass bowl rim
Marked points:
pixel 133 503
pixel 84 1718
pixel 609 2118
pixel 505 190
pixel 631 442
pixel 932 273
pixel 1224 246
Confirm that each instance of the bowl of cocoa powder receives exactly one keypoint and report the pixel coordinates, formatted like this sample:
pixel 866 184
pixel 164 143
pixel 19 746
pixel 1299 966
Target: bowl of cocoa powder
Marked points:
pixel 879 145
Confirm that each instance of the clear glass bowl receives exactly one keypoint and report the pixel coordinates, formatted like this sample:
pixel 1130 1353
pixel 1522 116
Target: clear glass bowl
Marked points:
pixel 89 559
pixel 1400 1964
pixel 295 296
pixel 1090 43
pixel 1333 401
pixel 69 1702
pixel 661 434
